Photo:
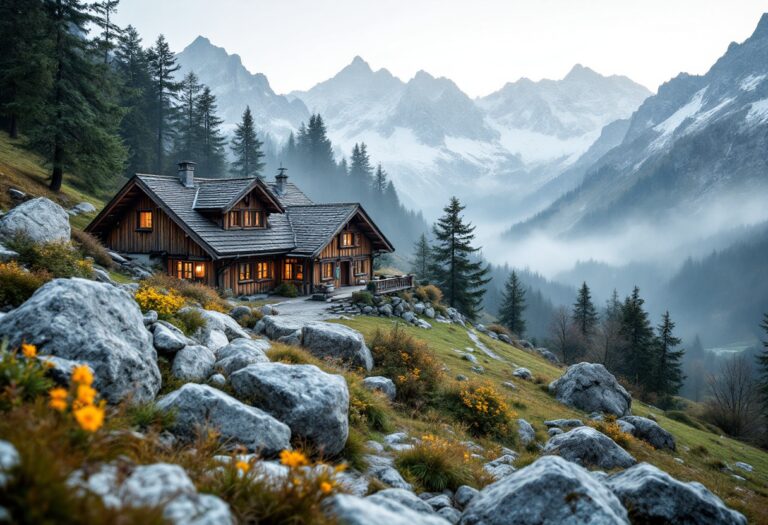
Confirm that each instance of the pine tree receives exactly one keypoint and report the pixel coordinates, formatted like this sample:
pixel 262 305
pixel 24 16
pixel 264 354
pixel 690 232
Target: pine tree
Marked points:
pixel 668 370
pixel 638 337
pixel 513 305
pixel 188 124
pixel 212 142
pixel 379 181
pixel 360 170
pixel 421 257
pixel 26 72
pixel 584 313
pixel 162 65
pixel 110 32
pixel 461 279
pixel 77 130
pixel 762 361
pixel 247 148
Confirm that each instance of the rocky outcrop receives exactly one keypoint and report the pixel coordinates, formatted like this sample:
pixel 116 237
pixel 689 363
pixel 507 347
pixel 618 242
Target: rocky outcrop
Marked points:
pixel 312 403
pixel 591 388
pixel 523 373
pixel 589 447
pixel 352 510
pixel 196 406
pixel 222 323
pixel 40 220
pixel 276 327
pixel 381 384
pixel 653 496
pixel 550 490
pixel 240 353
pixel 166 337
pixel 93 323
pixel 338 342
pixel 193 363
pixel 650 431
pixel 525 432
pixel 402 497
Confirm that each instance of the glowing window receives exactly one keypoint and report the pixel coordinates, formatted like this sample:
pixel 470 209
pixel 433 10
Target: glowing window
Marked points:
pixel 184 270
pixel 262 270
pixel 293 270
pixel 347 239
pixel 234 219
pixel 199 270
pixel 252 219
pixel 145 219
pixel 245 272
pixel 327 270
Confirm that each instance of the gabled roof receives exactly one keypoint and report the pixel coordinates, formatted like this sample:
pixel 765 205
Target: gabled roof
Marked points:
pixel 291 194
pixel 220 195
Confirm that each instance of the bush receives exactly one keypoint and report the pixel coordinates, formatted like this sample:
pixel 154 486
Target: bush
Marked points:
pixel 292 355
pixel 409 363
pixel 251 319
pixel 197 293
pixel 90 246
pixel 60 259
pixel 286 290
pixel 17 284
pixel 429 293
pixel 22 377
pixel 367 410
pixel 363 297
pixel 611 428
pixel 482 408
pixel 435 464
pixel 187 320
pixel 165 303
pixel 499 329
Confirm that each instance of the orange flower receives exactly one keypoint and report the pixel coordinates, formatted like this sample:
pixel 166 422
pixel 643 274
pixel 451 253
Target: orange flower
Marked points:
pixel 85 394
pixel 58 399
pixel 82 374
pixel 243 466
pixel 90 418
pixel 293 459
pixel 29 351
pixel 325 487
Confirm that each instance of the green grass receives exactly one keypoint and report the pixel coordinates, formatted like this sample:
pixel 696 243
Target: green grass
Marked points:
pixel 533 403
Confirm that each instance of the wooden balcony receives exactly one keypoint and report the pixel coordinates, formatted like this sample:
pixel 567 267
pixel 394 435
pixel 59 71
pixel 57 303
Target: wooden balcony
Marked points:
pixel 392 284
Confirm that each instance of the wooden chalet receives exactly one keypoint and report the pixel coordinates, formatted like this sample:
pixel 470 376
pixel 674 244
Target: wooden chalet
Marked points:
pixel 241 234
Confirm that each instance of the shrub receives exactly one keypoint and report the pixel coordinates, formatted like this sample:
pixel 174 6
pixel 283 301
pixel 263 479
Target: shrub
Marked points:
pixel 22 377
pixel 148 415
pixel 430 293
pixel 60 258
pixel 17 284
pixel 363 297
pixel 355 450
pixel 251 319
pixel 198 293
pixel 409 363
pixel 499 329
pixel 293 355
pixel 482 408
pixel 90 246
pixel 188 320
pixel 165 303
pixel 367 410
pixel 435 464
pixel 611 428
pixel 286 290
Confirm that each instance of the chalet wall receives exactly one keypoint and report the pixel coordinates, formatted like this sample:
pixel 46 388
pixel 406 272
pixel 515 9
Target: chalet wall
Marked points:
pixel 335 254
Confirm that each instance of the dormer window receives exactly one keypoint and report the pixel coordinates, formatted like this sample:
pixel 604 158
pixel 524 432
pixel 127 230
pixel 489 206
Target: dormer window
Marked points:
pixel 252 219
pixel 234 219
pixel 145 220
pixel 347 240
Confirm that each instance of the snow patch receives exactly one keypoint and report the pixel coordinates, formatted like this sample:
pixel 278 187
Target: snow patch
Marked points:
pixel 751 82
pixel 668 127
pixel 758 112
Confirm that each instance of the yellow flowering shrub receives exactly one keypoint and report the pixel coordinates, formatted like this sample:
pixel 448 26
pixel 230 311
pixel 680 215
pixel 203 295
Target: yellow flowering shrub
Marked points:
pixel 482 408
pixel 165 303
pixel 611 428
pixel 59 258
pixel 80 400
pixel 435 464
pixel 17 284
pixel 22 375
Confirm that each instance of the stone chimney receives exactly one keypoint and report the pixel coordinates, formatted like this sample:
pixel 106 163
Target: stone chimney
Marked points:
pixel 187 173
pixel 281 180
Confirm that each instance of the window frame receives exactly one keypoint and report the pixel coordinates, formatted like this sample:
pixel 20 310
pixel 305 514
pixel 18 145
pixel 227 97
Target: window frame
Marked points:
pixel 263 271
pixel 139 213
pixel 293 270
pixel 352 237
pixel 239 215
pixel 182 267
pixel 323 275
pixel 248 277
pixel 362 264
pixel 255 217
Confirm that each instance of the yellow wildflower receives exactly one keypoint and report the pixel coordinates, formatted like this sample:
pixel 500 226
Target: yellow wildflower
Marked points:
pixel 82 374
pixel 325 487
pixel 58 399
pixel 243 466
pixel 86 394
pixel 90 418
pixel 29 351
pixel 293 459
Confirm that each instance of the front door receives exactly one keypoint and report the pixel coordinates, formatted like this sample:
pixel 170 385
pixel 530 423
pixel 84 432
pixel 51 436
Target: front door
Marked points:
pixel 345 273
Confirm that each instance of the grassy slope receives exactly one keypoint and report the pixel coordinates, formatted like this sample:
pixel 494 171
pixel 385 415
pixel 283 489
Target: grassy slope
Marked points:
pixel 25 171
pixel 533 403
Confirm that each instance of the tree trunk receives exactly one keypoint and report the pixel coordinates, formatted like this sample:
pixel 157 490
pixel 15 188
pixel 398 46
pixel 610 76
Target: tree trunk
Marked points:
pixel 57 175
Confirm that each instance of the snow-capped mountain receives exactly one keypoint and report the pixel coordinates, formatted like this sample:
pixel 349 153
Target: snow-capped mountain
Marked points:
pixel 693 156
pixel 235 87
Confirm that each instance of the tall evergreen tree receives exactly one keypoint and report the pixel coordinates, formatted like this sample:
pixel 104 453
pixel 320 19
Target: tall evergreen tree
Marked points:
pixel 638 337
pixel 379 181
pixel 188 126
pixel 513 305
pixel 247 148
pixel 453 269
pixel 26 72
pixel 668 373
pixel 584 313
pixel 762 361
pixel 110 32
pixel 78 127
pixel 163 66
pixel 421 257
pixel 360 169
pixel 211 162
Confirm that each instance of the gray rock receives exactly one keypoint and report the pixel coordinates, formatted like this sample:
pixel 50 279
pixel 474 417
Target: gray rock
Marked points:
pixel 549 356
pixel 381 384
pixel 59 369
pixel 651 432
pixel 238 424
pixel 336 341
pixel 397 438
pixel 276 327
pixel 429 312
pixel 421 323
pixel 550 490
pixel 367 310
pixel 525 432
pixel 353 510
pixel 450 514
pixel 6 254
pixel 419 308
pixel 80 208
pixel 223 323
pixel 464 495
pixel 268 309
pixel 522 373
pixel 746 467
pixel 589 447
pixel 590 387
pixel 504 338
pixel 439 502
pixel 193 363
pixel 462 377
pixel 555 432
pixel 240 353
pixel 167 338
pixel 625 426
pixel 385 309
pixel 403 497
pixel 200 509
pixel 16 194
pixel 389 476
pixel 95 323
pixel 564 423
pixel 501 467
pixel 40 219
pixel 312 403
pixel 9 460
pixel 239 312
pixel 150 318
pixel 478 369
pixel 217 379
pixel 653 496
pixel 469 357
pixel 215 340
pixel 293 339
pixel 155 485
pixel 408 317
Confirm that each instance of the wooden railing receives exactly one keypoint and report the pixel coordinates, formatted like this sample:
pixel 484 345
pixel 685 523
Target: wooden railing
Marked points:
pixel 392 284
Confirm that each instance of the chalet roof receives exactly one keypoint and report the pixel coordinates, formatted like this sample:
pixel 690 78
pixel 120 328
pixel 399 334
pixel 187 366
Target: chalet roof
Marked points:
pixel 223 194
pixel 291 194
pixel 314 225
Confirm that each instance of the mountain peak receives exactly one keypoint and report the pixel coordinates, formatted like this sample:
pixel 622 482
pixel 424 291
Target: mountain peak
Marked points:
pixel 358 67
pixel 200 41
pixel 761 31
pixel 579 72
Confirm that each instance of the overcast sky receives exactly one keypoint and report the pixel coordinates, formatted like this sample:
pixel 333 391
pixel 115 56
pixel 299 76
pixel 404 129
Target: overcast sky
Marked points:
pixel 479 44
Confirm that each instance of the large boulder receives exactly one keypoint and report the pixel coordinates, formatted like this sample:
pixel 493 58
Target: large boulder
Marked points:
pixel 591 388
pixel 336 341
pixel 93 323
pixel 403 497
pixel 650 431
pixel 381 384
pixel 525 432
pixel 240 353
pixel 276 327
pixel 550 490
pixel 352 510
pixel 167 338
pixel 653 496
pixel 312 403
pixel 40 220
pixel 193 363
pixel 222 322
pixel 195 406
pixel 589 447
